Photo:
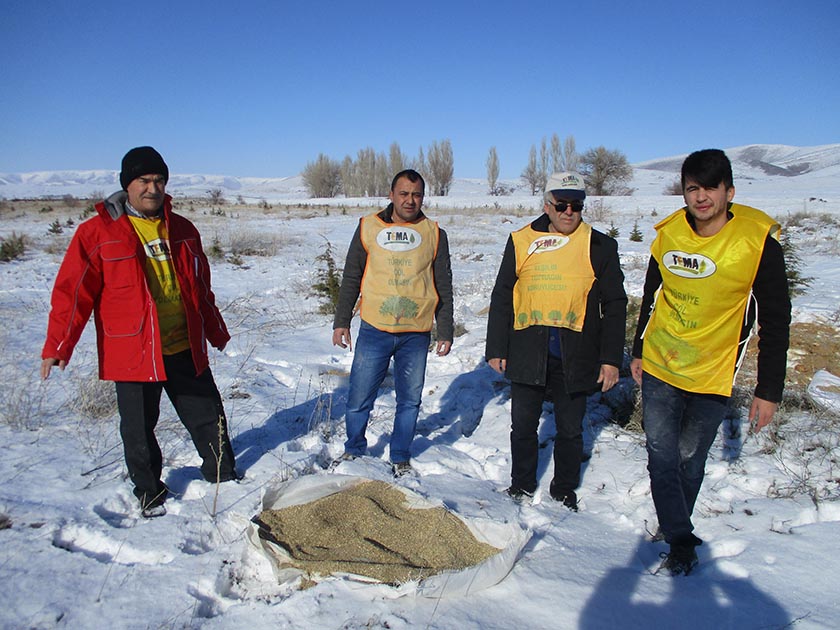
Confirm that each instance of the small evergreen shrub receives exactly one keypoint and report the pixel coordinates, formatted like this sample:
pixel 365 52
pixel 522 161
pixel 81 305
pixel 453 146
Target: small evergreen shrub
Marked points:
pixel 797 283
pixel 328 284
pixel 13 247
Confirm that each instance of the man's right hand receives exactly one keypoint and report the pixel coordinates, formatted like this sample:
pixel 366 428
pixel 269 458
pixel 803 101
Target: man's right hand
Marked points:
pixel 341 337
pixel 47 364
pixel 498 364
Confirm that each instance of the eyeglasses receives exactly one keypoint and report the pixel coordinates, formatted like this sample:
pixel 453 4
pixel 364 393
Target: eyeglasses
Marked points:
pixel 561 204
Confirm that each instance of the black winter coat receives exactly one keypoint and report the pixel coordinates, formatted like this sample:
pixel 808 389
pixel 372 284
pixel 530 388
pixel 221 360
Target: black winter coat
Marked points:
pixel 600 342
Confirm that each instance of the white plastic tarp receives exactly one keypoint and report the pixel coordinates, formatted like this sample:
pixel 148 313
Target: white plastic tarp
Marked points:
pixel 824 391
pixel 508 537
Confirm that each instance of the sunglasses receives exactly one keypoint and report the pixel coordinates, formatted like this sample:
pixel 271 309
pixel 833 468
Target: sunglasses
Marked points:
pixel 560 205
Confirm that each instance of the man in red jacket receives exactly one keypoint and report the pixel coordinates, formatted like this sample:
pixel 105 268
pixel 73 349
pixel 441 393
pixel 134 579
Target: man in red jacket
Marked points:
pixel 140 268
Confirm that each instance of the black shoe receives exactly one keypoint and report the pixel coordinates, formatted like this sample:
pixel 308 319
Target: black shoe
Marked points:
pixel 153 511
pixel 568 497
pixel 400 469
pixel 344 457
pixel 681 560
pixel 151 504
pixel 231 476
pixel 519 495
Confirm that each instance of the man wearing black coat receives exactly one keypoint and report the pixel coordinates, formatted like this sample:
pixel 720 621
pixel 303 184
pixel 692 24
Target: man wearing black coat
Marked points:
pixel 556 323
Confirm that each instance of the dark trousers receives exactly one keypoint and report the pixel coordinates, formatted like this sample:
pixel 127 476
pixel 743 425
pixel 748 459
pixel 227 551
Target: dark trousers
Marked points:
pixel 680 427
pixel 199 406
pixel 526 409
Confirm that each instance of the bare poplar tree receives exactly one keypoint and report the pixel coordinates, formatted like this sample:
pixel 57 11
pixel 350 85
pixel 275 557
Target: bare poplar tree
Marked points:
pixel 557 163
pixel 571 159
pixel 350 178
pixel 396 159
pixel 493 170
pixel 607 172
pixel 419 164
pixel 366 169
pixel 382 176
pixel 441 167
pixel 543 166
pixel 531 172
pixel 322 177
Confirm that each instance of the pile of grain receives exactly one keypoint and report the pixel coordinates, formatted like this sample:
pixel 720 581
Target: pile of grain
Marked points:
pixel 369 530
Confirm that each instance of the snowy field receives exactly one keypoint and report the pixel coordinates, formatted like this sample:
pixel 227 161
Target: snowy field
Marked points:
pixel 74 552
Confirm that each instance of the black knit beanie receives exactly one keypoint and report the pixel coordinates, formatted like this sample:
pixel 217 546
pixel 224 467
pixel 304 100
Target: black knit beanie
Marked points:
pixel 142 161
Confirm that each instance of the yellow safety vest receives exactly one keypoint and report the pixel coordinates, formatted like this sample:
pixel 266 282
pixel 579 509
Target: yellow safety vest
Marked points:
pixel 691 340
pixel 172 320
pixel 398 285
pixel 554 276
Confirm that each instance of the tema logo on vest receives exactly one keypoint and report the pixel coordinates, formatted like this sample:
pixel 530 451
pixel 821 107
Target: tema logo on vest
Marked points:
pixel 688 265
pixel 399 239
pixel 547 244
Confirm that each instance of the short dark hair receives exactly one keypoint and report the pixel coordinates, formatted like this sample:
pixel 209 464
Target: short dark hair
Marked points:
pixel 708 168
pixel 412 176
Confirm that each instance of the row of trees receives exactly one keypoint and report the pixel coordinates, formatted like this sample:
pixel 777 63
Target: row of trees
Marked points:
pixel 607 171
pixel 370 173
pixel 561 156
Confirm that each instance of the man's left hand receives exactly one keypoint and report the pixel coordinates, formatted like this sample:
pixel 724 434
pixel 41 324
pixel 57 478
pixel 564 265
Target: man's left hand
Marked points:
pixel 443 348
pixel 608 377
pixel 761 413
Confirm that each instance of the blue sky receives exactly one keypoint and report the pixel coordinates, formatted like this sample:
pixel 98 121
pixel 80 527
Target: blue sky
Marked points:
pixel 260 88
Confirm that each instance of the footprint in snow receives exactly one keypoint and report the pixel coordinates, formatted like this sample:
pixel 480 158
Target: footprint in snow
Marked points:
pixel 119 511
pixel 722 551
pixel 101 547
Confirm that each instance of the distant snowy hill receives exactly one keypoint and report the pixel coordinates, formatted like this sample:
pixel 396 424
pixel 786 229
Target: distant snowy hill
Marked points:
pixel 760 169
pixel 770 159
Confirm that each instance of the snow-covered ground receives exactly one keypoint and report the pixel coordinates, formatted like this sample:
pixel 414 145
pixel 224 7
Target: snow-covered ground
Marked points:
pixel 76 553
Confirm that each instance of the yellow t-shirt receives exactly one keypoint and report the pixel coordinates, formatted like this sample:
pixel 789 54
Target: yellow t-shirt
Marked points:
pixel 172 320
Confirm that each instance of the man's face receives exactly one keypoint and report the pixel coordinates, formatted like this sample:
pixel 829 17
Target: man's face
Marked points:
pixel 407 197
pixel 145 193
pixel 563 219
pixel 708 206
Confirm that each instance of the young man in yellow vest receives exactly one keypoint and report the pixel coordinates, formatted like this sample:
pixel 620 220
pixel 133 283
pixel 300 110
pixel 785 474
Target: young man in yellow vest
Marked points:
pixel 141 270
pixel 556 322
pixel 398 261
pixel 715 267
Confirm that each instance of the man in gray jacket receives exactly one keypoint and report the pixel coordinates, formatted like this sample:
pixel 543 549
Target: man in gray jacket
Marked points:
pixel 398 261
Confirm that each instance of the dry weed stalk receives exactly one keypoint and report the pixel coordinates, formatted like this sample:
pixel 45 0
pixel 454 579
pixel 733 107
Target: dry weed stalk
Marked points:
pixel 220 426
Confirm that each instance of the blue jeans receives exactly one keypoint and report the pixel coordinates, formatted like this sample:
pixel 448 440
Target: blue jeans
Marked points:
pixel 374 349
pixel 680 427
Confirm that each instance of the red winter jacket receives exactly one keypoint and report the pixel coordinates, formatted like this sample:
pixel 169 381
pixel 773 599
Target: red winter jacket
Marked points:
pixel 104 271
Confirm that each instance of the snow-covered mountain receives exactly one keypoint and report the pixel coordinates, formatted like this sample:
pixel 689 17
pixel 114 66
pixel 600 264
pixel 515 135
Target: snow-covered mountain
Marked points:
pixel 764 168
pixel 770 159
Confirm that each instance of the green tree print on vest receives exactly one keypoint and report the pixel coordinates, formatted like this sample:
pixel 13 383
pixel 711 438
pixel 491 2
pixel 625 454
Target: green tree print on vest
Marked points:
pixel 536 316
pixel 555 317
pixel 399 307
pixel 571 317
pixel 675 352
pixel 522 318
